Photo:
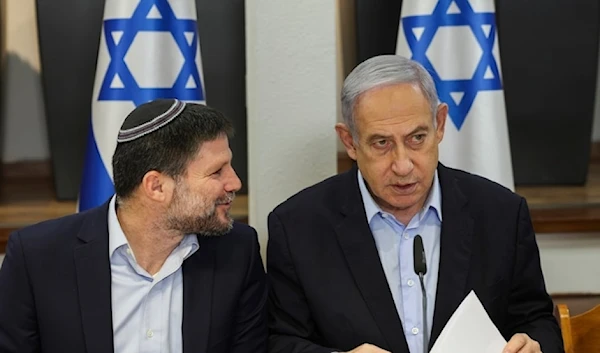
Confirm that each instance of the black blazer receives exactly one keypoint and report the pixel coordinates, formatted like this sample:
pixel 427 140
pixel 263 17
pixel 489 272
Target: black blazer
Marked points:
pixel 328 290
pixel 55 290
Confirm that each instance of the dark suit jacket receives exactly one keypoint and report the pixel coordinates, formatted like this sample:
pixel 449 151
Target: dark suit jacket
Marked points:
pixel 328 290
pixel 55 290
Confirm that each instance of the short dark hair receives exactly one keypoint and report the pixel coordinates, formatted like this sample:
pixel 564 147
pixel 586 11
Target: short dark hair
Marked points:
pixel 169 149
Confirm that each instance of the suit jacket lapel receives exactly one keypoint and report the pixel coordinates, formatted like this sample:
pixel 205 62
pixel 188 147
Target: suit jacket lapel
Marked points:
pixel 198 273
pixel 455 251
pixel 94 282
pixel 360 250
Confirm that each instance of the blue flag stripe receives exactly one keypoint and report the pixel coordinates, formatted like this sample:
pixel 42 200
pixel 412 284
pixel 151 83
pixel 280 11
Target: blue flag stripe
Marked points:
pixel 96 185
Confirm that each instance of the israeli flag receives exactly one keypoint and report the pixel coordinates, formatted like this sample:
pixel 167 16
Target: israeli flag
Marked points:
pixel 457 42
pixel 148 49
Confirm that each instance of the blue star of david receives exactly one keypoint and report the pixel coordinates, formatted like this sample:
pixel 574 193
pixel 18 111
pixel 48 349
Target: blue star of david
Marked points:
pixel 467 17
pixel 138 22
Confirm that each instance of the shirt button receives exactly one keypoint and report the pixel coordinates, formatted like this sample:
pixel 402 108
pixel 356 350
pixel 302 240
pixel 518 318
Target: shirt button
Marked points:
pixel 149 334
pixel 129 251
pixel 405 235
pixel 415 330
pixel 411 283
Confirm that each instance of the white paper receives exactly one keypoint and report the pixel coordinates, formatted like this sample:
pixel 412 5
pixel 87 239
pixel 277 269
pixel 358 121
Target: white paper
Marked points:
pixel 470 330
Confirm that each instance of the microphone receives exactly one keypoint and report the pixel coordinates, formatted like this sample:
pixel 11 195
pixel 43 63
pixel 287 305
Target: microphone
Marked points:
pixel 419 256
pixel 420 264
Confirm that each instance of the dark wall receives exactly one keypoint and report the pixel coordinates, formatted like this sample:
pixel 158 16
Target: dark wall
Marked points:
pixel 222 31
pixel 549 57
pixel 69 33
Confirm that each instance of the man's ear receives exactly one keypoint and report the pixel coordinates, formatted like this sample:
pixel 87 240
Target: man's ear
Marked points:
pixel 157 186
pixel 440 119
pixel 346 137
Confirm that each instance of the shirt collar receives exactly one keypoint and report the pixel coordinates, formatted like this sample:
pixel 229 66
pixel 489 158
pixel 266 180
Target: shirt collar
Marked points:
pixel 434 199
pixel 116 236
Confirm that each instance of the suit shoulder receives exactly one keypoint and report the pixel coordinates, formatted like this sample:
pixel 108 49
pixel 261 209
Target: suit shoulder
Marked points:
pixel 237 246
pixel 241 234
pixel 479 188
pixel 42 234
pixel 313 196
pixel 243 230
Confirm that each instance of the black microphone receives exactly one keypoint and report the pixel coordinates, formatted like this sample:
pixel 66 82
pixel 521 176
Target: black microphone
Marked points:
pixel 419 256
pixel 421 269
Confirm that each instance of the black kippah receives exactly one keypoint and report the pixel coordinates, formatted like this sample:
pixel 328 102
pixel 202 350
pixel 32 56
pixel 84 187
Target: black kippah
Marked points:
pixel 149 117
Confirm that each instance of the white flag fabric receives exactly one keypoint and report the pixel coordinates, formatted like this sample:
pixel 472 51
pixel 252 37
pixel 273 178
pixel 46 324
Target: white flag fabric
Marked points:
pixel 148 49
pixel 457 42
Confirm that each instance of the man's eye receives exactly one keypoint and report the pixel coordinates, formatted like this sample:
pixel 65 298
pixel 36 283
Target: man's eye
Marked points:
pixel 381 143
pixel 419 137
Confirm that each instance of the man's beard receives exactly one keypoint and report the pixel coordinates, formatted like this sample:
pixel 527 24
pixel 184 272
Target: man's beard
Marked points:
pixel 194 215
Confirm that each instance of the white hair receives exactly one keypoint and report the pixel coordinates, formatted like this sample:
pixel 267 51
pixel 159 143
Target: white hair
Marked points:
pixel 381 71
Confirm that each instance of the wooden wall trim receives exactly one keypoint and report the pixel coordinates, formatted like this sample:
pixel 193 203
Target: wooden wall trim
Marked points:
pixel 20 174
pixel 27 169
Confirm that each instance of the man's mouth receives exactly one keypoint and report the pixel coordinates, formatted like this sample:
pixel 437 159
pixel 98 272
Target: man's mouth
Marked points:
pixel 227 200
pixel 404 188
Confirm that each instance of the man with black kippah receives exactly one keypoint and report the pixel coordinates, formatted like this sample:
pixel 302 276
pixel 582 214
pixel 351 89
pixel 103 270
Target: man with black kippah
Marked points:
pixel 160 267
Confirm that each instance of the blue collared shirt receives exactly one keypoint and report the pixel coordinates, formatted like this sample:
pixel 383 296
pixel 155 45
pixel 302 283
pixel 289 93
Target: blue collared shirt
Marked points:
pixel 395 247
pixel 147 311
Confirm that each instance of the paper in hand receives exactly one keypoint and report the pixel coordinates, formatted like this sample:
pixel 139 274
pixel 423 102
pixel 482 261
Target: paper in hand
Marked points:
pixel 470 330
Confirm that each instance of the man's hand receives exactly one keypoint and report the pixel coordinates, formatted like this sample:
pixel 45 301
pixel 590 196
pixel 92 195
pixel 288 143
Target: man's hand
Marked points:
pixel 521 343
pixel 368 348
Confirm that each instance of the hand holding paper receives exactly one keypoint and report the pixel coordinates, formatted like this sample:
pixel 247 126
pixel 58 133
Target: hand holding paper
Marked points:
pixel 522 343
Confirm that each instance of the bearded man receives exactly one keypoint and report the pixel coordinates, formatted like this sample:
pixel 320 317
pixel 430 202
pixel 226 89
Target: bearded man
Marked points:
pixel 160 267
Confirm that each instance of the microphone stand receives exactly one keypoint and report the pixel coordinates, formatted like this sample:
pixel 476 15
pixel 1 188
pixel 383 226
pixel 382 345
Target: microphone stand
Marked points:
pixel 424 297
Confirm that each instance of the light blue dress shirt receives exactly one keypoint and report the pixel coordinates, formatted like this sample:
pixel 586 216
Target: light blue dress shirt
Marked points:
pixel 147 311
pixel 395 247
